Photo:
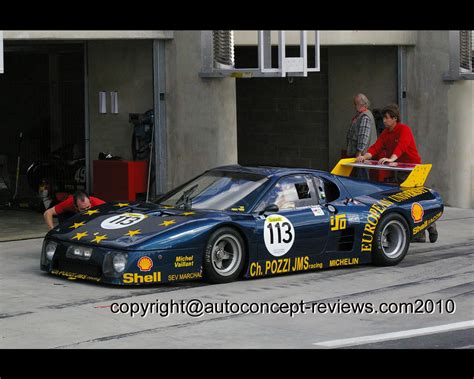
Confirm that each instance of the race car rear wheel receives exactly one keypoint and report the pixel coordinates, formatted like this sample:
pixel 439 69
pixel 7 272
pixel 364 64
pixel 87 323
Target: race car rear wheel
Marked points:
pixel 224 256
pixel 391 240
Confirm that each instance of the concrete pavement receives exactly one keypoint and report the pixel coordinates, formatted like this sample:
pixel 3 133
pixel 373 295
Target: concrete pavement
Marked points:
pixel 38 310
pixel 21 224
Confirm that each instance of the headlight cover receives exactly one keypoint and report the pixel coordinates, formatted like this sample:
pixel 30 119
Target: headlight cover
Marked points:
pixel 49 250
pixel 119 262
pixel 115 263
pixel 79 252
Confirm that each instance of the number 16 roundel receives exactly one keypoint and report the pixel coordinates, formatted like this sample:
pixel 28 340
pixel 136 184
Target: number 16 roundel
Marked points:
pixel 278 234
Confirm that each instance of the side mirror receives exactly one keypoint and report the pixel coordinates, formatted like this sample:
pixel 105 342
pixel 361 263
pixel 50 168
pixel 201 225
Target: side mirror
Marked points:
pixel 271 208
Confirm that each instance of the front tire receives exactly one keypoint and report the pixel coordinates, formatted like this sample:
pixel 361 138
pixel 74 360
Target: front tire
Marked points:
pixel 391 240
pixel 224 256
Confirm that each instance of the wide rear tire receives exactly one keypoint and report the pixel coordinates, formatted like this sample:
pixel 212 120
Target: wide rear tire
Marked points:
pixel 391 241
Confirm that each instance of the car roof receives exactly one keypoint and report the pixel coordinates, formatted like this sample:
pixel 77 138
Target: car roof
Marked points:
pixel 268 171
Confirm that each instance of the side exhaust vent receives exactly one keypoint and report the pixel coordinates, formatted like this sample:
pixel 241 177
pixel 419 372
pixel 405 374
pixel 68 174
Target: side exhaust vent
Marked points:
pixel 346 240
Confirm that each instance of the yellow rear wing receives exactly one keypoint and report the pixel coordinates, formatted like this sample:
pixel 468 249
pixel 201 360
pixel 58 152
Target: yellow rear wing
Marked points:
pixel 416 178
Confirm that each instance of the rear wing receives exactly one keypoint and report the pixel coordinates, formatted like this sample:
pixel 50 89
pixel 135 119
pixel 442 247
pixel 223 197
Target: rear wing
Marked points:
pixel 416 178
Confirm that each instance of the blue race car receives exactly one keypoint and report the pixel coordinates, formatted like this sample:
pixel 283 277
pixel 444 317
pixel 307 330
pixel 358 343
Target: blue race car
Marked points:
pixel 235 221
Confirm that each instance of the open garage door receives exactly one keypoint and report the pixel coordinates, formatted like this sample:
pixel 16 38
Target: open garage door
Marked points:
pixel 42 118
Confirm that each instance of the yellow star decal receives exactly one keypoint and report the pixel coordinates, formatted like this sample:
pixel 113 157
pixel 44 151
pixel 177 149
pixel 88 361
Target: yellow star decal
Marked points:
pixel 91 212
pixel 77 225
pixel 188 213
pixel 99 238
pixel 166 223
pixel 131 233
pixel 121 205
pixel 78 236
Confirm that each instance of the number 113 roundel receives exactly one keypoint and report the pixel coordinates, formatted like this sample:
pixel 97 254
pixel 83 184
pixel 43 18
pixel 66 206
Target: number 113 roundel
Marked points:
pixel 122 220
pixel 278 234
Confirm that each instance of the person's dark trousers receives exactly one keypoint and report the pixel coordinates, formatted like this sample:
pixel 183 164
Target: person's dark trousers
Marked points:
pixel 433 232
pixel 64 216
pixel 401 176
pixel 421 236
pixel 360 173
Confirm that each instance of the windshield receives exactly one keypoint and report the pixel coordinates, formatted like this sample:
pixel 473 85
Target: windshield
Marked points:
pixel 218 190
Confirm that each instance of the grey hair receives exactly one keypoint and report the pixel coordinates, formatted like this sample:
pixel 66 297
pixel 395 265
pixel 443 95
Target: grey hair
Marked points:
pixel 361 99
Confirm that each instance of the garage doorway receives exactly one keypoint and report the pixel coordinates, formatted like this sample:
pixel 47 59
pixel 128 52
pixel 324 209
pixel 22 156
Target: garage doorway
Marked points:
pixel 282 121
pixel 42 115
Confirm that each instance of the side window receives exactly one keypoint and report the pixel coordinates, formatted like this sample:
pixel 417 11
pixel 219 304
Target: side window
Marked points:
pixel 327 190
pixel 320 189
pixel 291 192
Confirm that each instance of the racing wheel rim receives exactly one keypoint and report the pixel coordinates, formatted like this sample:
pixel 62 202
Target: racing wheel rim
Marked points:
pixel 393 239
pixel 226 255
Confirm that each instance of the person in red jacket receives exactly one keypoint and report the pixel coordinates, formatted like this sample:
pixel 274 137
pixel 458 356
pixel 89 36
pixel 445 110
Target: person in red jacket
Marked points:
pixel 79 202
pixel 396 143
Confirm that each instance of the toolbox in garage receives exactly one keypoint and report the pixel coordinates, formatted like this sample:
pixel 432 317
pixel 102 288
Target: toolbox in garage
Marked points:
pixel 119 179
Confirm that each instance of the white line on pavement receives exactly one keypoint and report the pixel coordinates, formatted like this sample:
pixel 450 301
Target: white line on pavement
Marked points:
pixel 396 335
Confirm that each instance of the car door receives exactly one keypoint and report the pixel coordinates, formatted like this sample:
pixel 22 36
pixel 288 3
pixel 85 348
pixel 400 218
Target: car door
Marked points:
pixel 345 221
pixel 301 225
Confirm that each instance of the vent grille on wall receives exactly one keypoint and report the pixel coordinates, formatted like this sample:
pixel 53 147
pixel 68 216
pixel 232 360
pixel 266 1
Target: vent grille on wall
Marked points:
pixel 223 46
pixel 461 55
pixel 465 50
pixel 1 51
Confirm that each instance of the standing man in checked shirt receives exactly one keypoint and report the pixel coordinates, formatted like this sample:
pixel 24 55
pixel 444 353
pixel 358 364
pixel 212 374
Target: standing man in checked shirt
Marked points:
pixel 362 132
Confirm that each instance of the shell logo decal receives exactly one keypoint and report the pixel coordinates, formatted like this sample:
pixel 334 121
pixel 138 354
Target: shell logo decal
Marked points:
pixel 145 263
pixel 417 212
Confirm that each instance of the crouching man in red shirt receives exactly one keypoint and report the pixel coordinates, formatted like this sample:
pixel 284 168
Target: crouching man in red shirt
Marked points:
pixel 79 202
pixel 397 143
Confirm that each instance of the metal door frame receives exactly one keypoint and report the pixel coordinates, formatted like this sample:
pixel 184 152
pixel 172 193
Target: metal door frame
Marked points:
pixel 159 109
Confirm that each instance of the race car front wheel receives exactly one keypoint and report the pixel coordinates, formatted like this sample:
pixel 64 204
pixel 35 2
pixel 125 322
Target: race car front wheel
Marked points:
pixel 224 256
pixel 391 240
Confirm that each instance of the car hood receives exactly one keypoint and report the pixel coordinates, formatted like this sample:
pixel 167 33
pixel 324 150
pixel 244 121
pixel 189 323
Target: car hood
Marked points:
pixel 124 225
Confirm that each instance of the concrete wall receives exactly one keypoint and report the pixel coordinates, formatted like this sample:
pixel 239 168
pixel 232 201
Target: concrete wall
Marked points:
pixel 336 37
pixel 427 104
pixel 283 121
pixel 441 114
pixel 126 67
pixel 201 113
pixel 460 144
pixel 85 34
pixel 241 37
pixel 370 70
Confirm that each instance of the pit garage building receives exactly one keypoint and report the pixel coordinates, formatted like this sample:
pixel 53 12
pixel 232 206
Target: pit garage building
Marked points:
pixel 70 94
